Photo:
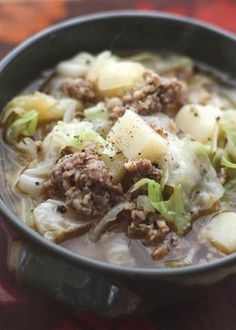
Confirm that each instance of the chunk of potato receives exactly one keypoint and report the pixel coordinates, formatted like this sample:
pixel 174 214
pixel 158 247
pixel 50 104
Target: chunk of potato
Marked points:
pixel 115 166
pixel 221 232
pixel 111 76
pixel 136 139
pixel 99 62
pixel 199 121
pixel 116 77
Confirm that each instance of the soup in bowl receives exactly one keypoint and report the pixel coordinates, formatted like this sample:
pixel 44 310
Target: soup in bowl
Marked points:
pixel 130 160
pixel 121 161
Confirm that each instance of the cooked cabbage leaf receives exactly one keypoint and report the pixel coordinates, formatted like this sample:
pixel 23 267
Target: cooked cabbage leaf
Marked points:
pixel 28 147
pixel 31 180
pixel 176 210
pixel 24 112
pixel 188 164
pixel 76 66
pixel 154 189
pixel 56 226
pixel 173 210
pixel 229 152
pixel 26 125
pixel 228 119
pixel 97 231
pixel 98 112
pixel 161 120
pixel 74 135
pixel 99 117
pixel 181 165
pixel 226 162
pixel 189 171
pixel 228 201
pixel 163 64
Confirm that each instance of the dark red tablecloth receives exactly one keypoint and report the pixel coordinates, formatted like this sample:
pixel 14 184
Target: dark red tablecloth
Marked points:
pixel 24 310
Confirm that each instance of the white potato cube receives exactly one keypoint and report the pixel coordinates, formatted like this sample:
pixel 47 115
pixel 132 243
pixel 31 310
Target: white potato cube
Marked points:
pixel 97 65
pixel 136 139
pixel 119 74
pixel 198 121
pixel 111 76
pixel 221 232
pixel 115 166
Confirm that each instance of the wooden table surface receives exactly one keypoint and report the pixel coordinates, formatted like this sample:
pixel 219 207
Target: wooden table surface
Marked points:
pixel 21 309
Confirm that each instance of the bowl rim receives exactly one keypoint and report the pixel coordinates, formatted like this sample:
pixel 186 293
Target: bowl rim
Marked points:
pixel 76 258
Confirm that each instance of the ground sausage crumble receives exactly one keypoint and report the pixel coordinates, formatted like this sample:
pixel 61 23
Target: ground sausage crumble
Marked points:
pixel 83 180
pixel 156 94
pixel 79 89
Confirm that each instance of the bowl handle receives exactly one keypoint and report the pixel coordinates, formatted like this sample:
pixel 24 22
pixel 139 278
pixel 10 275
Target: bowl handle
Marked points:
pixel 74 286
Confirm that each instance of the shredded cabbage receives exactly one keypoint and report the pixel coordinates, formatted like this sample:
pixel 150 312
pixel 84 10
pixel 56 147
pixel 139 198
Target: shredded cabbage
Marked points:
pixel 97 112
pixel 228 119
pixel 24 112
pixel 99 117
pixel 154 189
pixel 28 146
pixel 31 180
pixel 71 108
pixel 229 153
pixel 174 210
pixel 54 225
pixel 181 165
pixel 26 125
pixel 226 162
pixel 188 164
pixel 97 231
pixel 189 171
pixel 74 135
pixel 228 201
pixel 163 63
pixel 226 153
pixel 26 207
pixel 76 66
pixel 161 120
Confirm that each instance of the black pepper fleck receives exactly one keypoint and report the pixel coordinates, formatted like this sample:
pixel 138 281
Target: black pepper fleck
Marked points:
pixel 61 209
